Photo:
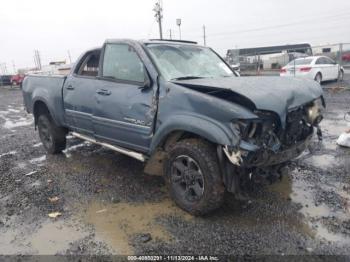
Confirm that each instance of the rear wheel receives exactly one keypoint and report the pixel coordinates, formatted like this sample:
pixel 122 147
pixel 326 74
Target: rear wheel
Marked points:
pixel 318 78
pixel 193 176
pixel 52 136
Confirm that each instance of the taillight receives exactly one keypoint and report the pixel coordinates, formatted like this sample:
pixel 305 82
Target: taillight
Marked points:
pixel 305 69
pixel 283 70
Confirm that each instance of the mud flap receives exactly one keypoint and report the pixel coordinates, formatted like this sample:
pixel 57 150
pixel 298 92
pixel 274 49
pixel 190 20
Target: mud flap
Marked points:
pixel 319 133
pixel 230 175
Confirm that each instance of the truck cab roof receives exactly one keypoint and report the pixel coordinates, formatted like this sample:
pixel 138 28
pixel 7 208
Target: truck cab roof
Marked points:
pixel 152 41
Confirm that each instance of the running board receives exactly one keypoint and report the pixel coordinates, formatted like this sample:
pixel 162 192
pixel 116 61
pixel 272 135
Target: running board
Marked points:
pixel 124 151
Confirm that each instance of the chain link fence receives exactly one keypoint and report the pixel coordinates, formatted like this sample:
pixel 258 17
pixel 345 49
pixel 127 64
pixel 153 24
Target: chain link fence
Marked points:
pixel 270 60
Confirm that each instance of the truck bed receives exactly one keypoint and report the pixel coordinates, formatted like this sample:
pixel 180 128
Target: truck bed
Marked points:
pixel 47 88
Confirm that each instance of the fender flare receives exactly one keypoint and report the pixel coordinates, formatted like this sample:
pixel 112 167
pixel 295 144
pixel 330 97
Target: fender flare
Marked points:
pixel 41 99
pixel 202 126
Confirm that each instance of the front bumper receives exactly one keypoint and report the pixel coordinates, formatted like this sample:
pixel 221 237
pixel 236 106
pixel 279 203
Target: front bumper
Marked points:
pixel 268 157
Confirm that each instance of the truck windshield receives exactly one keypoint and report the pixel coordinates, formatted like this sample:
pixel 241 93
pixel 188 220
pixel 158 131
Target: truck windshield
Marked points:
pixel 176 62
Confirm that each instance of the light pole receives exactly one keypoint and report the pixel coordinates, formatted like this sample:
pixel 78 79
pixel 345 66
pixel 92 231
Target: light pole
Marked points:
pixel 178 22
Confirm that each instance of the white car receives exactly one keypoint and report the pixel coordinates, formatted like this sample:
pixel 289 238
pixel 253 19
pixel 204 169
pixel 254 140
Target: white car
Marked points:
pixel 319 68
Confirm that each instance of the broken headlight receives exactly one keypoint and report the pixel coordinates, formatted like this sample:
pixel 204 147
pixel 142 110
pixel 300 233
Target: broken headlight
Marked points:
pixel 248 128
pixel 314 112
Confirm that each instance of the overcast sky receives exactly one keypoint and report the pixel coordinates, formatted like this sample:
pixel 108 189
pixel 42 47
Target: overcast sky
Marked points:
pixel 54 27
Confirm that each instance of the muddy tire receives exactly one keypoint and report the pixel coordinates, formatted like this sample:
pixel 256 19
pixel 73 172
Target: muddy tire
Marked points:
pixel 52 136
pixel 193 176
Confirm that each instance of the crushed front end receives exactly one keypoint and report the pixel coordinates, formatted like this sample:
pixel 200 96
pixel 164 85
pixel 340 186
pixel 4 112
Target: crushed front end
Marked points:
pixel 267 144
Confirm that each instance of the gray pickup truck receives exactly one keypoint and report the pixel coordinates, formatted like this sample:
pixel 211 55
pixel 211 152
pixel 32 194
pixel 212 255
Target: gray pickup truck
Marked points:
pixel 179 108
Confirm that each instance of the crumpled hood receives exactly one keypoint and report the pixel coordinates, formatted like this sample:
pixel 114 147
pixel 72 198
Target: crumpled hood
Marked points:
pixel 277 94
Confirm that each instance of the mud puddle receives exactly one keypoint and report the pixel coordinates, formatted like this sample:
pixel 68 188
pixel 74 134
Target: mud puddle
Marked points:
pixel 9 243
pixel 334 127
pixel 54 237
pixel 51 238
pixel 324 162
pixel 118 224
pixel 300 192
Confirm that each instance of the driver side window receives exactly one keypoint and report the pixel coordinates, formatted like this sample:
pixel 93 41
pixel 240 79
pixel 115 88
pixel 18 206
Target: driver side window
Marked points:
pixel 121 62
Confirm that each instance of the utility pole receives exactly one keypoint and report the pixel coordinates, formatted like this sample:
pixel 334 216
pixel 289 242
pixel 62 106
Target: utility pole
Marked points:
pixel 159 16
pixel 178 22
pixel 70 58
pixel 204 36
pixel 35 63
pixel 340 60
pixel 37 59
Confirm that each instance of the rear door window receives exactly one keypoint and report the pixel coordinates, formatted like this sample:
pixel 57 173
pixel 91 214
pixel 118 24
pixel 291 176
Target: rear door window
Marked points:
pixel 304 61
pixel 320 61
pixel 89 66
pixel 329 61
pixel 121 62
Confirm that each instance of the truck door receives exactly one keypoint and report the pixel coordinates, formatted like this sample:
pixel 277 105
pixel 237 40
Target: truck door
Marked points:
pixel 79 92
pixel 123 107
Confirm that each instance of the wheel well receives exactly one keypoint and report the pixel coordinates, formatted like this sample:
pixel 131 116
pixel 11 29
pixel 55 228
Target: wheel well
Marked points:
pixel 39 109
pixel 154 165
pixel 176 136
pixel 318 73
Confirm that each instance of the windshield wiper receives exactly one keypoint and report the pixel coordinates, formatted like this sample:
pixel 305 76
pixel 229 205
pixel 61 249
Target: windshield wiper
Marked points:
pixel 186 78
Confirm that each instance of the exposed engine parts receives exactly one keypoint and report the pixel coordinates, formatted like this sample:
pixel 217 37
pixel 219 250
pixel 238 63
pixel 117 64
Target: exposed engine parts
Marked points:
pixel 234 157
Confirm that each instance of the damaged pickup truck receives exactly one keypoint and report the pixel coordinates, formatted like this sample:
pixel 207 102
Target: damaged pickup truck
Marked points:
pixel 179 108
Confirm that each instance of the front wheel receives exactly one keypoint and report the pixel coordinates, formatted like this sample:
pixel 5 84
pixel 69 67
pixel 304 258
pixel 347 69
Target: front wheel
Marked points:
pixel 52 136
pixel 193 176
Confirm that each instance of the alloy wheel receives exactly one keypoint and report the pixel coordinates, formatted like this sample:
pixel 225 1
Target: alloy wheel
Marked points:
pixel 187 178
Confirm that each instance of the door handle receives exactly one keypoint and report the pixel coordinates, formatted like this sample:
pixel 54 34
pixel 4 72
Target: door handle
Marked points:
pixel 103 92
pixel 70 87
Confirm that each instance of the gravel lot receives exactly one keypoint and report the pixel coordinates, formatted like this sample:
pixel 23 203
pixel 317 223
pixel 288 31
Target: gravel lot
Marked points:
pixel 109 206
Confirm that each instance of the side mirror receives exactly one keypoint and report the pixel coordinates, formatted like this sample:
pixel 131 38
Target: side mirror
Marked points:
pixel 147 82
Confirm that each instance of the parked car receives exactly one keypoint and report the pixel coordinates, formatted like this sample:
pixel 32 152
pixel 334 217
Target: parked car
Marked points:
pixel 235 67
pixel 5 80
pixel 182 110
pixel 16 80
pixel 346 57
pixel 319 68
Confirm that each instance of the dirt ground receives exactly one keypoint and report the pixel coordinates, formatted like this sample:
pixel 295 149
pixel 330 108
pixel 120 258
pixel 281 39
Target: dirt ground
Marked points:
pixel 109 206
